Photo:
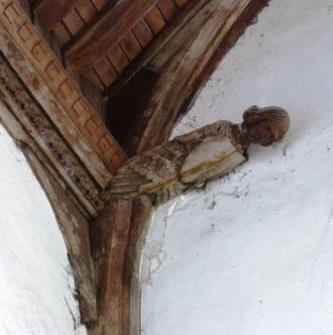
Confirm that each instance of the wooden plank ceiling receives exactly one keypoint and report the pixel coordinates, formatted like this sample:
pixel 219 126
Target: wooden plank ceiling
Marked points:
pixel 102 37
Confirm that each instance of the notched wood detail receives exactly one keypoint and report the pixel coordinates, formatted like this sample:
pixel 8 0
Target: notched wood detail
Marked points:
pixel 39 58
pixel 48 138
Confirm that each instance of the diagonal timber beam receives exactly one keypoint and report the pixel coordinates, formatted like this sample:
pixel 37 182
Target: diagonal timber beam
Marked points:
pixel 181 62
pixel 58 95
pixel 106 31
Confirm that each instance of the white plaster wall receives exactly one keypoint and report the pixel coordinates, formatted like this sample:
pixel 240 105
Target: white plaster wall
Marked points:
pixel 252 254
pixel 36 282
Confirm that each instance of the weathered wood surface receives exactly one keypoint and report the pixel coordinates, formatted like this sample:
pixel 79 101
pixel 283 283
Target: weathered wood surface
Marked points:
pixel 180 62
pixel 120 231
pixel 75 230
pixel 119 238
pixel 56 92
pixel 106 31
pixel 109 245
pixel 36 123
pixel 72 222
pixel 166 35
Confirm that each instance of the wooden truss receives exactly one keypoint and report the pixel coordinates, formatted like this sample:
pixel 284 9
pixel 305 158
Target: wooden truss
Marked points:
pixel 71 150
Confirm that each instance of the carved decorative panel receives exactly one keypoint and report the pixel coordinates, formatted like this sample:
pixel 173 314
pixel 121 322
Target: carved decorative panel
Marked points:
pixel 38 67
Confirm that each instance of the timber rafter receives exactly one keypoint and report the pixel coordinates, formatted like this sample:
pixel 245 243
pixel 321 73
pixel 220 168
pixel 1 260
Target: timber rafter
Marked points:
pixel 106 31
pixel 180 65
pixel 40 70
pixel 50 12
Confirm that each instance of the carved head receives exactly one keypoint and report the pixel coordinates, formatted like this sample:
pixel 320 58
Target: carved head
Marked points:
pixel 265 125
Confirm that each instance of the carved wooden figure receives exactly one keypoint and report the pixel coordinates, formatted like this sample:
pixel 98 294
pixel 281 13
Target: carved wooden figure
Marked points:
pixel 192 159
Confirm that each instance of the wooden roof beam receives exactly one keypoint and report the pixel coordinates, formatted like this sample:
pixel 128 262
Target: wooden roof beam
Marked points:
pixel 50 12
pixel 161 40
pixel 105 31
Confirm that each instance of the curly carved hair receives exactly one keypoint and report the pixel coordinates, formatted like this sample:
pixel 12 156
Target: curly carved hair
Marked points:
pixel 274 117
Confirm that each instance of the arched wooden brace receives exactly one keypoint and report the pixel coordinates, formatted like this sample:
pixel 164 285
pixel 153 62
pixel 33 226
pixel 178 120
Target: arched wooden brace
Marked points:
pixel 121 230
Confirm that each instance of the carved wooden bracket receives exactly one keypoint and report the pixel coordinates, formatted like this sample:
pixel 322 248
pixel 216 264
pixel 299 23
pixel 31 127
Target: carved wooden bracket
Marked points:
pixel 75 157
pixel 72 153
pixel 179 64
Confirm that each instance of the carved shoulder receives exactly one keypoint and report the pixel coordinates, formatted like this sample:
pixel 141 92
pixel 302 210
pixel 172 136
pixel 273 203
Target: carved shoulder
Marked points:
pixel 221 129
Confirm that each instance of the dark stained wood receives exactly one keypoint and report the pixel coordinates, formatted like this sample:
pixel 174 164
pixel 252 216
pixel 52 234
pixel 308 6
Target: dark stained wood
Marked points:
pixel 106 31
pixel 55 45
pixel 73 21
pixel 131 46
pixel 86 10
pixel 181 3
pixel 155 20
pixel 143 33
pixel 50 12
pixel 168 9
pixel 94 94
pixel 118 58
pixel 62 33
pixel 99 4
pixel 92 76
pixel 158 43
pixel 124 111
pixel 105 71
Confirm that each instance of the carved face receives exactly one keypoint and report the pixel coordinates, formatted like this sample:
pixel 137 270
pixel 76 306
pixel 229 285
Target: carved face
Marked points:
pixel 265 125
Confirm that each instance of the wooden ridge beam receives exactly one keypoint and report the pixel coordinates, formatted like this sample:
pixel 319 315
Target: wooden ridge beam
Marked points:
pixel 105 31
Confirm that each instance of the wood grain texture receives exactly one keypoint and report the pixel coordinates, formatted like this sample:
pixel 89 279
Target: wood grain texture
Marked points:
pixel 105 71
pixel 110 245
pixel 181 3
pixel 75 231
pixel 189 56
pixel 86 9
pixel 36 122
pixel 143 33
pixel 50 12
pixel 168 9
pixel 56 92
pixel 118 58
pixel 130 45
pixel 155 20
pixel 71 217
pixel 170 94
pixel 107 31
pixel 158 43
pixel 73 21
